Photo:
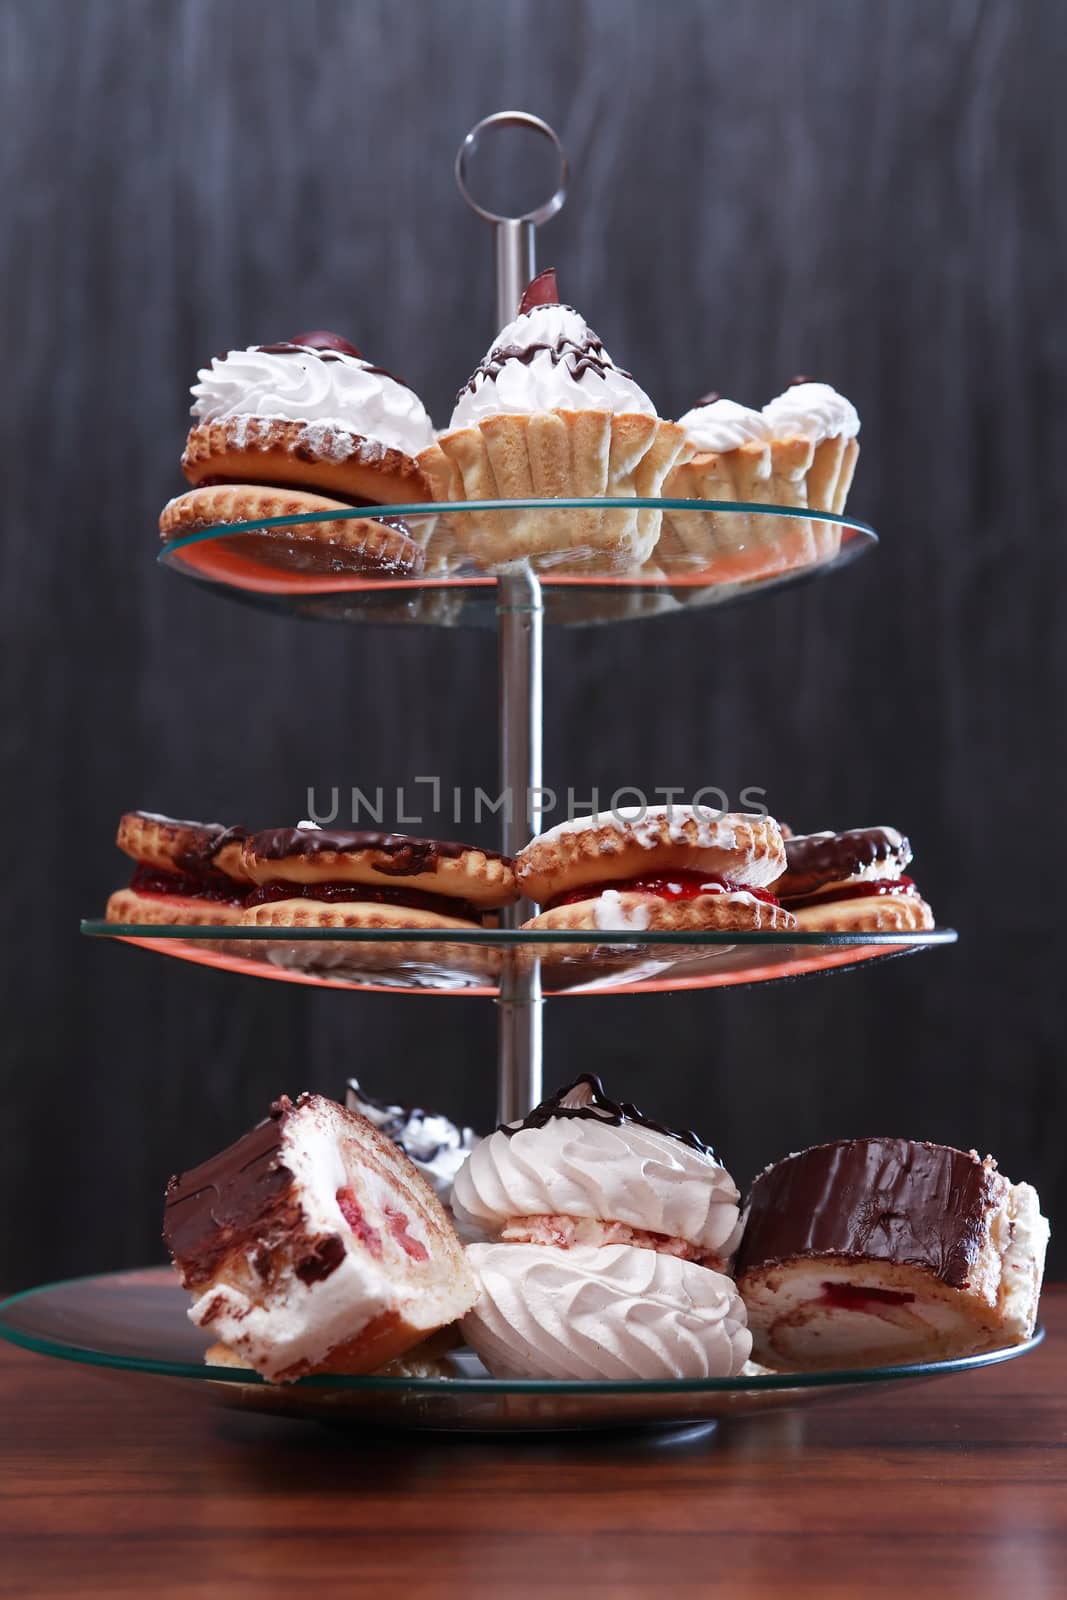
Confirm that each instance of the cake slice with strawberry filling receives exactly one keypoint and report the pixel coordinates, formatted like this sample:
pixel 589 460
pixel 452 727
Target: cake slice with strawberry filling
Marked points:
pixel 313 1245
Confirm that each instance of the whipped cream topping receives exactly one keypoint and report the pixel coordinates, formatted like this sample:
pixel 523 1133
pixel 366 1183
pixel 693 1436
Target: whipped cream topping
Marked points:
pixel 302 1322
pixel 811 411
pixel 603 1312
pixel 548 359
pixel 327 389
pixel 586 1162
pixel 434 1144
pixel 724 425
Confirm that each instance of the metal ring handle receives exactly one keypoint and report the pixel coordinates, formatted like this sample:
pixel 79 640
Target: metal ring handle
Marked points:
pixel 512 119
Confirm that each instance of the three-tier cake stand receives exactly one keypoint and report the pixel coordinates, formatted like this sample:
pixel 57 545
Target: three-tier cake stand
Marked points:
pixel 135 1322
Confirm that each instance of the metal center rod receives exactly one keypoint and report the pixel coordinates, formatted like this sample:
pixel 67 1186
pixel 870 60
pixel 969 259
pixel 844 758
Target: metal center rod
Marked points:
pixel 520 616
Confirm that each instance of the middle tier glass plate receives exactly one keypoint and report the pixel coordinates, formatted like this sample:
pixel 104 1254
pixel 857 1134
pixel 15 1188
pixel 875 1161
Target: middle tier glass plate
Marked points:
pixel 691 553
pixel 476 962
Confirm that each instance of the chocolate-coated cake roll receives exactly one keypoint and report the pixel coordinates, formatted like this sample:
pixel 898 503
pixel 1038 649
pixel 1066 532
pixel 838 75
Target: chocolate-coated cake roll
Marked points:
pixel 872 1251
pixel 313 1245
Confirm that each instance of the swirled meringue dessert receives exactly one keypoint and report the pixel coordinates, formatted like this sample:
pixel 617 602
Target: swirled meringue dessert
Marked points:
pixel 609 1239
pixel 672 867
pixel 434 1144
pixel 852 882
pixel 875 1251
pixel 314 1245
pixel 799 451
pixel 303 426
pixel 548 415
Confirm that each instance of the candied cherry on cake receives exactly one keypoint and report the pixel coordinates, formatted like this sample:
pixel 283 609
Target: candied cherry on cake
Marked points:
pixel 322 339
pixel 540 291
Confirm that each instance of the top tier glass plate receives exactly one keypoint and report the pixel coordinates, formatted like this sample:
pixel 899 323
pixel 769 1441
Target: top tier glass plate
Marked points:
pixel 703 552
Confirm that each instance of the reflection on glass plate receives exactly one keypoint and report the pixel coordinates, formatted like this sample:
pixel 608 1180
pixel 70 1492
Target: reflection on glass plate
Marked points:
pixel 475 962
pixel 708 552
pixel 134 1324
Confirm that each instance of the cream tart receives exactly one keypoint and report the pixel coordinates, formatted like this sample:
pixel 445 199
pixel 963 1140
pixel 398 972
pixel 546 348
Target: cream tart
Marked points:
pixel 187 873
pixel 875 1251
pixel 547 414
pixel 799 451
pixel 313 1245
pixel 303 426
pixel 852 882
pixel 656 868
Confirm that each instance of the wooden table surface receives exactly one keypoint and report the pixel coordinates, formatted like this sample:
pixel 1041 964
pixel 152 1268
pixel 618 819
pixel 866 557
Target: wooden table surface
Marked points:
pixel 957 1487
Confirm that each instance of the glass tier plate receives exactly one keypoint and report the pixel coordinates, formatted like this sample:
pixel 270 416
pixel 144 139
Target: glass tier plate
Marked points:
pixel 706 552
pixel 133 1325
pixel 475 963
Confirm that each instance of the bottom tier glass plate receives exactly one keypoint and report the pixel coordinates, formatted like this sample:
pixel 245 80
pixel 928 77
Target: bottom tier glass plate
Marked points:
pixel 133 1324
pixel 476 963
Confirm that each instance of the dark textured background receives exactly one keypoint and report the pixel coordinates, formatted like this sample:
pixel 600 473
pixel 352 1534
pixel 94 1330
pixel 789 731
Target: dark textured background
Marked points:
pixel 872 191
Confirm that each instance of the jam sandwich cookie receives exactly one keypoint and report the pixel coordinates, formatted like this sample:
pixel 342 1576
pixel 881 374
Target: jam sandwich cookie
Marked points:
pixel 308 877
pixel 656 868
pixel 606 1241
pixel 315 877
pixel 874 1251
pixel 852 882
pixel 303 426
pixel 549 415
pixel 313 1245
pixel 185 872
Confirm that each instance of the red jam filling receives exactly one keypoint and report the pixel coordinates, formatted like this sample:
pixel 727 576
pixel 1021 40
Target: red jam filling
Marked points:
pixel 188 885
pixel 414 899
pixel 398 1227
pixel 857 1297
pixel 665 886
pixel 352 1212
pixel 852 891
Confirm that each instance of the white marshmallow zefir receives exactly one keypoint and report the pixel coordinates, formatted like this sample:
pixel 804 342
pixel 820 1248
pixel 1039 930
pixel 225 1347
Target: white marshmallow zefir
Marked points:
pixel 592 1166
pixel 608 1312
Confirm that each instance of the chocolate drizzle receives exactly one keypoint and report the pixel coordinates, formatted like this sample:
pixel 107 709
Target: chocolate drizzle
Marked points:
pixel 192 847
pixel 896 1200
pixel 406 857
pixel 579 358
pixel 599 1107
pixel 208 842
pixel 342 351
pixel 816 858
